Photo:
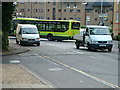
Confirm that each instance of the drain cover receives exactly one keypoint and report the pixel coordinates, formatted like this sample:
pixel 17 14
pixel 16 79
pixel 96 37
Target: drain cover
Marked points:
pixel 14 61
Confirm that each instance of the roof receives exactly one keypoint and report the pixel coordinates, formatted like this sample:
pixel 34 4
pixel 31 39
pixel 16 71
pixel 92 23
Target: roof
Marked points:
pixel 91 5
pixel 44 19
pixel 97 26
pixel 104 4
pixel 27 25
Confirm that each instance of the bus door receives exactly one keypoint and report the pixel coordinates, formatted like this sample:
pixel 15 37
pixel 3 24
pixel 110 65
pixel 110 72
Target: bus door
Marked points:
pixel 75 28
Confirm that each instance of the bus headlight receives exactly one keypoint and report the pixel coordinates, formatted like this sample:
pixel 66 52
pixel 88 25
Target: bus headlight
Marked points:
pixel 69 32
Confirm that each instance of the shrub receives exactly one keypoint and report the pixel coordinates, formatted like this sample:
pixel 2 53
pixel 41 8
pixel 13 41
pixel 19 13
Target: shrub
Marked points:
pixel 118 37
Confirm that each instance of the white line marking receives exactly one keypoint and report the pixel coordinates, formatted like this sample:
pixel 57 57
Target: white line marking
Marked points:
pixel 55 69
pixel 84 73
pixel 14 61
pixel 93 57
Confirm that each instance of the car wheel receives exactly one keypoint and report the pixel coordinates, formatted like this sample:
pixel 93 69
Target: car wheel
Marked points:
pixel 38 44
pixel 110 49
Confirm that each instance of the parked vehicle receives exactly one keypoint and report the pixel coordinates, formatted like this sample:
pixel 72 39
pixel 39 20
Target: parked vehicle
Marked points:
pixel 27 34
pixel 94 37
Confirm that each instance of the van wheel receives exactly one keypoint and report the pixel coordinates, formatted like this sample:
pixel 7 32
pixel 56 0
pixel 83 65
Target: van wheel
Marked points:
pixel 21 43
pixel 50 37
pixel 77 44
pixel 110 49
pixel 89 48
pixel 17 41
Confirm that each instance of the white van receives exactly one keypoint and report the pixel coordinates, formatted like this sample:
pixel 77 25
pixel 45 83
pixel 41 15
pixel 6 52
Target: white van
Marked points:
pixel 27 34
pixel 94 37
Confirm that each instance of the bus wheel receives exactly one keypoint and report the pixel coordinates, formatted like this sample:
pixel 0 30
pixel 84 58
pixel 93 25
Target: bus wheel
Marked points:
pixel 50 37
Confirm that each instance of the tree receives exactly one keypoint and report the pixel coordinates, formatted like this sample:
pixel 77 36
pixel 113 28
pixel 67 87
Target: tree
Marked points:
pixel 7 14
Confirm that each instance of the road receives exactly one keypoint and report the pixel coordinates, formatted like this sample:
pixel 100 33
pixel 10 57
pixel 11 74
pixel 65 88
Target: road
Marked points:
pixel 64 66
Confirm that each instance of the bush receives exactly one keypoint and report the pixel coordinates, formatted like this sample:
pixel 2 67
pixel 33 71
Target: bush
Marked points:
pixel 118 37
pixel 83 26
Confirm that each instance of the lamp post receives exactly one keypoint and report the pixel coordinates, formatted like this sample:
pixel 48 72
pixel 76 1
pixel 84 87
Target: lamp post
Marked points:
pixel 85 13
pixel 101 21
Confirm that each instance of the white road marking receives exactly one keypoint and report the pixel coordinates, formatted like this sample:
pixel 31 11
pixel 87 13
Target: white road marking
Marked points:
pixel 55 69
pixel 84 73
pixel 14 61
pixel 93 57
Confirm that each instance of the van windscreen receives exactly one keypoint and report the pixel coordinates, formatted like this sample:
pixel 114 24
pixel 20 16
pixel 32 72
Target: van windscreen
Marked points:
pixel 99 31
pixel 29 31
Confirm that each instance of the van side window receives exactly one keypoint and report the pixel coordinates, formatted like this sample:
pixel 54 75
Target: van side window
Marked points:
pixel 86 29
pixel 20 32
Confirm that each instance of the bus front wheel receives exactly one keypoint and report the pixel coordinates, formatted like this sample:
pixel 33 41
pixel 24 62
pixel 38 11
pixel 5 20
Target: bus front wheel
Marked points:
pixel 50 37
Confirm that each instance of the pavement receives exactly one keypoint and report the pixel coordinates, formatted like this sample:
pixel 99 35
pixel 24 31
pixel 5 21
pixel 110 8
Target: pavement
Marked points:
pixel 16 76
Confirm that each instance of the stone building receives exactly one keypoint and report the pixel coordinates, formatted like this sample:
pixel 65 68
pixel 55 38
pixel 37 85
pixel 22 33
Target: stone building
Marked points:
pixel 116 20
pixel 100 14
pixel 89 11
pixel 52 10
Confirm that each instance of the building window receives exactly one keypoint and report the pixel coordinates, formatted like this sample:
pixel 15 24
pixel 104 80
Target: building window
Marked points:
pixel 59 18
pixel 41 2
pixel 95 19
pixel 28 10
pixel 48 10
pixel 96 10
pixel 71 17
pixel 48 18
pixel 64 18
pixel 34 10
pixel 59 10
pixel 54 3
pixel 40 10
pixel 89 11
pixel 34 2
pixel 68 6
pixel 71 10
pixel 107 10
pixel 64 10
pixel 75 6
pixel 21 10
pixel 117 17
pixel 78 11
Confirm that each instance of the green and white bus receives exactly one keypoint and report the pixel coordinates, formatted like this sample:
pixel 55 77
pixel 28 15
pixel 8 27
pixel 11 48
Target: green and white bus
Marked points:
pixel 52 29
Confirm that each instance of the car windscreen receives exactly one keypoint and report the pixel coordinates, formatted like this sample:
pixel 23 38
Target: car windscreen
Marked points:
pixel 29 31
pixel 99 31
